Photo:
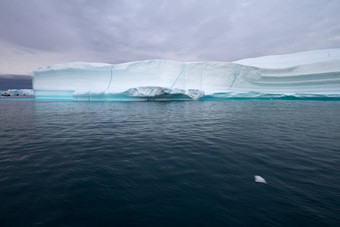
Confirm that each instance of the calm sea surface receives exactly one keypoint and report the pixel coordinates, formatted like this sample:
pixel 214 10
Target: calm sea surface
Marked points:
pixel 169 163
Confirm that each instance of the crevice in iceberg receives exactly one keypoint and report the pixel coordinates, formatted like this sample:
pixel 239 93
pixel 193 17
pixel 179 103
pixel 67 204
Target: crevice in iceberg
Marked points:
pixel 179 76
pixel 108 87
pixel 234 79
pixel 151 92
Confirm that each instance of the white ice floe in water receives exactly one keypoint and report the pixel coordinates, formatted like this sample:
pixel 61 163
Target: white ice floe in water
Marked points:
pixel 260 179
pixel 309 74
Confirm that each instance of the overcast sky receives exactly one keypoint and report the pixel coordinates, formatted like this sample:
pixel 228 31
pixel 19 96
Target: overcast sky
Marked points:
pixel 37 33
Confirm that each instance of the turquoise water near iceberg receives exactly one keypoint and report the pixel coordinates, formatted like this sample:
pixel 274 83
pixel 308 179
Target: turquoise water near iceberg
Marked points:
pixel 169 163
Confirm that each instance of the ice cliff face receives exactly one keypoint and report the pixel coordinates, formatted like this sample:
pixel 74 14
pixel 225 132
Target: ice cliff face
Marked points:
pixel 278 76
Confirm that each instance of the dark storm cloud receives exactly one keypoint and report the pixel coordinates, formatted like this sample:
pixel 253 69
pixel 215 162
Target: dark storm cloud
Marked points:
pixel 116 31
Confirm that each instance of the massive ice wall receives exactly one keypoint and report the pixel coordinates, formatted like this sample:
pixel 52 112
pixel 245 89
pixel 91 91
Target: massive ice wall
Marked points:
pixel 163 79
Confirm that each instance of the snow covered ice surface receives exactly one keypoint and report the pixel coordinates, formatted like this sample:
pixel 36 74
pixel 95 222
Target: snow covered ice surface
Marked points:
pixel 314 74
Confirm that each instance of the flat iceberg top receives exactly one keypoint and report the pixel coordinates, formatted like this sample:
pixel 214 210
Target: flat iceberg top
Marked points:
pixel 289 60
pixel 120 66
pixel 271 61
pixel 73 65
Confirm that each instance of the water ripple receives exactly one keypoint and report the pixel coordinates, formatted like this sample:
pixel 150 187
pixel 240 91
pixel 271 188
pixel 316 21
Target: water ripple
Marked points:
pixel 176 163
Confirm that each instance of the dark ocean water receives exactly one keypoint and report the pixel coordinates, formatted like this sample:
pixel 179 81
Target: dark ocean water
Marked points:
pixel 169 163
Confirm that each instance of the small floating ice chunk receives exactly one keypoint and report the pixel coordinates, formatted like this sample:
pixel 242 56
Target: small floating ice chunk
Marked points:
pixel 260 179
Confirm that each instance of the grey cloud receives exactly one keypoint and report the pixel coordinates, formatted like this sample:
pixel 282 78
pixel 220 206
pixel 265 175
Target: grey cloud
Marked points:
pixel 116 31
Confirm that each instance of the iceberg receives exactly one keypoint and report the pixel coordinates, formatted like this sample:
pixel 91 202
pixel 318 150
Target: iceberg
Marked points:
pixel 259 179
pixel 314 74
pixel 17 92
